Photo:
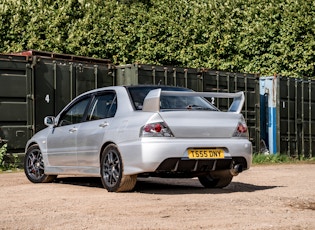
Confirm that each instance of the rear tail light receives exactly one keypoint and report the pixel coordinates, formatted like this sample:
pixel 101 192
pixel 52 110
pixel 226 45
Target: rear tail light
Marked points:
pixel 157 129
pixel 241 130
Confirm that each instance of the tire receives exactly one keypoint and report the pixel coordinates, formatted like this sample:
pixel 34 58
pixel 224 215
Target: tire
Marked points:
pixel 112 171
pixel 209 182
pixel 34 167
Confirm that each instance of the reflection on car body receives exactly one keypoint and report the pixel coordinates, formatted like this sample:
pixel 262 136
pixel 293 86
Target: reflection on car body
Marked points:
pixel 122 132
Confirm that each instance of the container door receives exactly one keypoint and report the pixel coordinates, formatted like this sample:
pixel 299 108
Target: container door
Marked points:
pixel 297 116
pixel 16 102
pixel 53 81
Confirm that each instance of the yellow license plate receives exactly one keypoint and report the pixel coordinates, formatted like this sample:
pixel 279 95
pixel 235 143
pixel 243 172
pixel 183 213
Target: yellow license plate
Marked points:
pixel 205 153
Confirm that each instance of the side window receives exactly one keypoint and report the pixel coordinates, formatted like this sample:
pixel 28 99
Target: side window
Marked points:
pixel 103 106
pixel 75 113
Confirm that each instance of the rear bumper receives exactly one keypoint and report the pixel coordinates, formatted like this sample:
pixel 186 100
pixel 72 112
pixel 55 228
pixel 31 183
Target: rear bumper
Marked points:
pixel 177 167
pixel 156 155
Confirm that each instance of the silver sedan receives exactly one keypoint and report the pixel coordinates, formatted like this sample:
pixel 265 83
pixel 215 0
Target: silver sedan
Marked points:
pixel 119 133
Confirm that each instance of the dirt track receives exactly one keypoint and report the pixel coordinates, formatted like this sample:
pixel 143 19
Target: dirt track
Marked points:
pixel 264 197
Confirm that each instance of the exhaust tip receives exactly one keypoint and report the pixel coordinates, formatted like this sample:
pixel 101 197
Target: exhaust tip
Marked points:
pixel 236 170
pixel 239 168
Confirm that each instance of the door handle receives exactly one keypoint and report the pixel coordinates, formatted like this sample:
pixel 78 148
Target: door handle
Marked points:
pixel 104 124
pixel 72 130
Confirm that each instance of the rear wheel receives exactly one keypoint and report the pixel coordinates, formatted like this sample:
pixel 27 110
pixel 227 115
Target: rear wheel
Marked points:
pixel 209 181
pixel 112 175
pixel 34 167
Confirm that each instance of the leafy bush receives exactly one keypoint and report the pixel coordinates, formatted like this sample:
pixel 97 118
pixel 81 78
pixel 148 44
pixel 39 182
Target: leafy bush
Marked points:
pixel 3 151
pixel 233 35
pixel 7 162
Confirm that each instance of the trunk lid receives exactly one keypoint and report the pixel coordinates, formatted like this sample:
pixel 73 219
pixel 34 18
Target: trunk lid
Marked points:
pixel 202 124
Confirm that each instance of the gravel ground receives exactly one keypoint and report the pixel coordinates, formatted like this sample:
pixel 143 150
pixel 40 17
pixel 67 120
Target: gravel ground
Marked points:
pixel 264 197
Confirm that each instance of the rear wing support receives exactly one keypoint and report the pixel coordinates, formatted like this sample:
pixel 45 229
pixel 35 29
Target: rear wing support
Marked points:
pixel 152 100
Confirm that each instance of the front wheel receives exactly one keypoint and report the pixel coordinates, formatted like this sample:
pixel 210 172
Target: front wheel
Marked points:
pixel 219 182
pixel 112 175
pixel 34 167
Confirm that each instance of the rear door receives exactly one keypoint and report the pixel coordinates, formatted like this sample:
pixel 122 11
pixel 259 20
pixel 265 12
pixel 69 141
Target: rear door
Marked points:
pixel 91 132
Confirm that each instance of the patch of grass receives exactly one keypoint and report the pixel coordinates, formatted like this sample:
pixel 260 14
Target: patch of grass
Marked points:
pixel 279 159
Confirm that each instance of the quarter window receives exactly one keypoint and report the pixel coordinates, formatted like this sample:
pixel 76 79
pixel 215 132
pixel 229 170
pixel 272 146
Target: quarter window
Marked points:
pixel 103 106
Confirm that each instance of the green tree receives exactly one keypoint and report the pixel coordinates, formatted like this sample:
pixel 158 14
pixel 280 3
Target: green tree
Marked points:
pixel 233 35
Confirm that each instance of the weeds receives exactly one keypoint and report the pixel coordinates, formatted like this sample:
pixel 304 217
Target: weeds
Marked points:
pixel 3 151
pixel 8 161
pixel 279 158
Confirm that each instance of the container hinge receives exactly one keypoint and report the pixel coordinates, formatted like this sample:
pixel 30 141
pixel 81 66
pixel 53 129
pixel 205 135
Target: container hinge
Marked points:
pixel 31 127
pixel 30 97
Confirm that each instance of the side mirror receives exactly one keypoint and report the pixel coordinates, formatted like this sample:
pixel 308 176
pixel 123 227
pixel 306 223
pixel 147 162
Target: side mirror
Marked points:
pixel 50 121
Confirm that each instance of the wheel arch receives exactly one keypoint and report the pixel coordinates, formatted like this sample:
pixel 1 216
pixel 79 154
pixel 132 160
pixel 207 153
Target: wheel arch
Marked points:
pixel 30 145
pixel 103 147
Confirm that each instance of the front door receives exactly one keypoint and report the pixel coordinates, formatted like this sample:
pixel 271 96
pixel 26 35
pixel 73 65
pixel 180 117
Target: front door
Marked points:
pixel 61 142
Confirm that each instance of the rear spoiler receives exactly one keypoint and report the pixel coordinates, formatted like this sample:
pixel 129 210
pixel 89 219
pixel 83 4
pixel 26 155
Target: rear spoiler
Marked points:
pixel 152 100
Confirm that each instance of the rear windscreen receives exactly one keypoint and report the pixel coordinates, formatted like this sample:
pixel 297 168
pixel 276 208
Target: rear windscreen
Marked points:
pixel 138 95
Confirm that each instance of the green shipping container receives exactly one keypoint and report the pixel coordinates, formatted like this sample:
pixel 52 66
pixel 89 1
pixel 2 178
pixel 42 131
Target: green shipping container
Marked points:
pixel 37 84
